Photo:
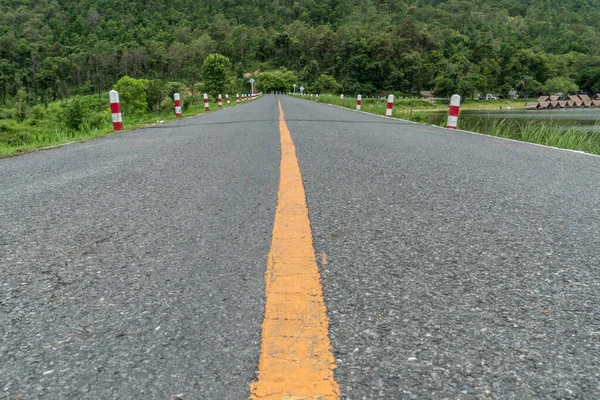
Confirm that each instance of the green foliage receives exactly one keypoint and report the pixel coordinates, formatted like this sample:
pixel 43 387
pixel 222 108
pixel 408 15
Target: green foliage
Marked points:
pixel 14 134
pixel 132 95
pixel 74 114
pixel 279 80
pixel 215 72
pixel 156 91
pixel 326 84
pixel 20 111
pixel 561 84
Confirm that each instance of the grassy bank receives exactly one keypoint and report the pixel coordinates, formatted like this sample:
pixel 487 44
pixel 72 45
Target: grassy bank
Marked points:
pixel 539 132
pixel 79 119
pixel 549 134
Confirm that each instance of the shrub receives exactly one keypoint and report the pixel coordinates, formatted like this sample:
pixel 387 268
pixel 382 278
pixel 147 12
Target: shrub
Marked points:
pixel 74 113
pixel 132 94
pixel 14 134
pixel 38 112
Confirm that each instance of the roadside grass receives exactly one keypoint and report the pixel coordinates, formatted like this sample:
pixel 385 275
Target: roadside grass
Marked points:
pixel 45 126
pixel 549 134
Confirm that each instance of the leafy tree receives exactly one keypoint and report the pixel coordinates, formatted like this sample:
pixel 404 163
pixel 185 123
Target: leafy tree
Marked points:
pixel 326 84
pixel 215 72
pixel 132 94
pixel 561 84
pixel 279 80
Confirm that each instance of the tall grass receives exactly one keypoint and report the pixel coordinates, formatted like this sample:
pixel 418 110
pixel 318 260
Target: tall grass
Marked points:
pixel 540 132
pixel 46 126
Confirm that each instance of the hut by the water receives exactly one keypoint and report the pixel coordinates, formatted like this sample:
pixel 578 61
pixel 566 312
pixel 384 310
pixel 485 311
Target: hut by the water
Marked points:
pixel 532 105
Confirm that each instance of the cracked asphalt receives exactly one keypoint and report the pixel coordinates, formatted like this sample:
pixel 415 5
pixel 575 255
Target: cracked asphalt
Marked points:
pixel 453 265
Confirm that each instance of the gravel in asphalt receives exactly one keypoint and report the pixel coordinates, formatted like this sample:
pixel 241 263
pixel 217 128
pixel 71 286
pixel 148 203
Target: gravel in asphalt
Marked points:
pixel 458 266
pixel 454 266
pixel 132 266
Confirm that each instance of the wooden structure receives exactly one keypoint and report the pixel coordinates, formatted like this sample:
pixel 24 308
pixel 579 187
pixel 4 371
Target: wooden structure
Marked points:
pixel 571 101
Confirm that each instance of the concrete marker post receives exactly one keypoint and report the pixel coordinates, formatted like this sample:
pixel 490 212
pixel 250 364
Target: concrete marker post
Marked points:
pixel 177 99
pixel 206 106
pixel 115 109
pixel 237 98
pixel 453 111
pixel 390 105
pixel 341 98
pixel 227 99
pixel 358 102
pixel 220 101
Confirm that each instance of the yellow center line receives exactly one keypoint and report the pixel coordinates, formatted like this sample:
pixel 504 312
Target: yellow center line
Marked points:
pixel 296 360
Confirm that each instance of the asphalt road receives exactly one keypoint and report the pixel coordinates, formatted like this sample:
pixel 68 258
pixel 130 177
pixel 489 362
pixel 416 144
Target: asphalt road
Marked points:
pixel 458 266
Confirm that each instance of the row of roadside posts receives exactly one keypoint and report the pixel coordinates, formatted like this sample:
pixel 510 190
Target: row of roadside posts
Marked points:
pixel 452 111
pixel 117 118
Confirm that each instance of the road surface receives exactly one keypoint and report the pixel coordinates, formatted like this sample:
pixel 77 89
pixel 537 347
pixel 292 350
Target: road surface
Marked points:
pixel 452 265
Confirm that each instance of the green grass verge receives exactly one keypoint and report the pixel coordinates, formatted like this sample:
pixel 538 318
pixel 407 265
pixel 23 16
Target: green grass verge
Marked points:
pixel 546 133
pixel 44 128
pixel 539 132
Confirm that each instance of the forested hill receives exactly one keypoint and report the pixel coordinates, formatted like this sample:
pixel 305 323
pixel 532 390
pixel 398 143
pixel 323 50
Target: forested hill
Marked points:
pixel 52 48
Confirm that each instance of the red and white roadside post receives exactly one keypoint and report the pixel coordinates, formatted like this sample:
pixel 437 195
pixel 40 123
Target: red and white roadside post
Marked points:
pixel 341 98
pixel 115 109
pixel 358 102
pixel 390 106
pixel 206 106
pixel 177 104
pixel 453 111
pixel 243 97
pixel 237 98
pixel 227 99
pixel 220 101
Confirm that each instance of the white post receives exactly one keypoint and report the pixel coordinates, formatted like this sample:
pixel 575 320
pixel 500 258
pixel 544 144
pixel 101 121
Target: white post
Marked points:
pixel 390 106
pixel 453 111
pixel 115 108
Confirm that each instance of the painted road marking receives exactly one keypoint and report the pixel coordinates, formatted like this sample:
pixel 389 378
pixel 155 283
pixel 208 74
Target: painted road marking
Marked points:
pixel 296 360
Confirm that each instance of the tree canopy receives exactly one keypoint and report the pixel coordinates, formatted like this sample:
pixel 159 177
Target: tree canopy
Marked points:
pixel 52 49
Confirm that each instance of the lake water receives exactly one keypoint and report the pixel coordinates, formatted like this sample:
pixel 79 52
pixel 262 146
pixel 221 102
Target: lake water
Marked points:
pixel 587 119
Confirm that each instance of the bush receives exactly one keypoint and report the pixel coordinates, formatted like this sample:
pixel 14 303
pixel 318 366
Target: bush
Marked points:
pixel 156 91
pixel 132 94
pixel 38 112
pixel 14 134
pixel 75 112
pixel 326 84
pixel 215 72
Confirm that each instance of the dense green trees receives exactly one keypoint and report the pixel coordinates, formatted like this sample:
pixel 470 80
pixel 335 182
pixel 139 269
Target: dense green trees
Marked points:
pixel 54 49
pixel 215 72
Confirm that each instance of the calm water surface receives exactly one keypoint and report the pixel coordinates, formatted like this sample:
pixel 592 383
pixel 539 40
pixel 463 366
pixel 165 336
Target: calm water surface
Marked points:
pixel 585 118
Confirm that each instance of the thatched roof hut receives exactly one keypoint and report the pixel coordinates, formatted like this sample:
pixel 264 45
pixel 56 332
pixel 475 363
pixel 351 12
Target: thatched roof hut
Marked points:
pixel 584 97
pixel 595 103
pixel 555 104
pixel 542 99
pixel 544 105
pixel 596 96
pixel 587 103
pixel 562 104
pixel 573 97
pixel 554 98
pixel 532 106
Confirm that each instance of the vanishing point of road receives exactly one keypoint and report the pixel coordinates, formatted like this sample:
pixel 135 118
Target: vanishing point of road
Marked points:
pixel 285 249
